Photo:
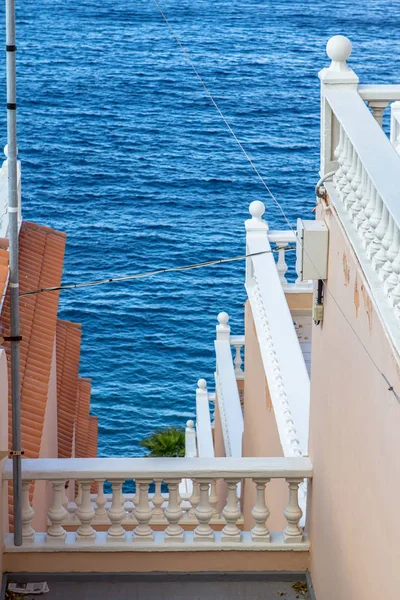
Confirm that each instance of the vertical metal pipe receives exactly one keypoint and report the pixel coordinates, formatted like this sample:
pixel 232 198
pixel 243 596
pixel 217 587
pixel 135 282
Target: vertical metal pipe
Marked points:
pixel 13 281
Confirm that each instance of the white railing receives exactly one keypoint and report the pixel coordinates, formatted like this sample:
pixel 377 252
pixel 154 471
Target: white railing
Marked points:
pixel 284 366
pixel 227 392
pixel 284 242
pixel 365 188
pixel 395 126
pixel 205 443
pixel 170 471
pixel 238 343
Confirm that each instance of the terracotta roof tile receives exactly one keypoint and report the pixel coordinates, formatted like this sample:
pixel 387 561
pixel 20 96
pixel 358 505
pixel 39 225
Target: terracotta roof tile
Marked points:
pixel 82 418
pixel 68 341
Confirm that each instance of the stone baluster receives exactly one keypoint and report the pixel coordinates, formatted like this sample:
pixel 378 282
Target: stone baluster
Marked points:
pixel 173 513
pixel 363 195
pixel 116 514
pixel 231 514
pixel 379 257
pixel 342 182
pixel 204 513
pixel 194 498
pixel 56 514
pixel 351 202
pixel 378 107
pixel 78 497
pixel 85 514
pixel 387 241
pixel 135 498
pixel 28 534
pixel 281 265
pixel 348 195
pixel 339 156
pixel 374 221
pixel 393 255
pixel 190 440
pixel 260 514
pixel 143 513
pixel 293 513
pixel 358 190
pixel 100 500
pixel 158 500
pixel 366 230
pixel 237 361
pixel 214 497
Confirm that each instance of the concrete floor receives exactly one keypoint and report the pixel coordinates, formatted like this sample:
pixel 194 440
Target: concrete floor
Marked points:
pixel 205 586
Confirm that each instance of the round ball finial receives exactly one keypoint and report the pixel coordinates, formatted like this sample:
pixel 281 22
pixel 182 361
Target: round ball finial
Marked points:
pixel 338 48
pixel 202 384
pixel 223 318
pixel 256 209
pixel 190 424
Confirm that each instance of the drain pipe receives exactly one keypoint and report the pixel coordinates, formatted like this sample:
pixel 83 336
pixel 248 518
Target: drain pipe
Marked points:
pixel 13 224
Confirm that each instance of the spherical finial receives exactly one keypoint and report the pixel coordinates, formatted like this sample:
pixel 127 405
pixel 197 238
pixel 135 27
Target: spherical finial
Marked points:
pixel 338 48
pixel 223 318
pixel 202 384
pixel 256 209
pixel 190 424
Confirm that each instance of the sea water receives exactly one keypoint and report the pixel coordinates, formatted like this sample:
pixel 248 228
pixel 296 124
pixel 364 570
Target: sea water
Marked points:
pixel 122 149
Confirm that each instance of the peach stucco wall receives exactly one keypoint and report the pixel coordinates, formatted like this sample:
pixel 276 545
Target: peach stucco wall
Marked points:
pixel 354 441
pixel 48 449
pixel 260 436
pixel 3 446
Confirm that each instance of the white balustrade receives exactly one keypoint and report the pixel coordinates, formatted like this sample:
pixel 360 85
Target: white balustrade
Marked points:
pixel 158 500
pixel 285 242
pixel 205 443
pixel 190 440
pixel 237 341
pixel 365 187
pixel 178 530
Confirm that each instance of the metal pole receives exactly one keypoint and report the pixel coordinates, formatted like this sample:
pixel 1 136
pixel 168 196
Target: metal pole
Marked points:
pixel 13 281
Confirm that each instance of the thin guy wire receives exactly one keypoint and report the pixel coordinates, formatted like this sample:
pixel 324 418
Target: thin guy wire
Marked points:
pixel 208 263
pixel 267 188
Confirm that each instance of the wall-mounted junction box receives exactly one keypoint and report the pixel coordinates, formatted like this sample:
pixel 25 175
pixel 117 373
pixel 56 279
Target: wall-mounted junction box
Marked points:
pixel 312 250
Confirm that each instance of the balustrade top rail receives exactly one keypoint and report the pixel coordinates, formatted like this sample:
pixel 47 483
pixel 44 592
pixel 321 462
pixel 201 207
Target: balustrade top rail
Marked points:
pixel 51 469
pixel 383 92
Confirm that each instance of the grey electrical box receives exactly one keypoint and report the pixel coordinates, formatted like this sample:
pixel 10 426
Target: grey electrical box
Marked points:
pixel 312 250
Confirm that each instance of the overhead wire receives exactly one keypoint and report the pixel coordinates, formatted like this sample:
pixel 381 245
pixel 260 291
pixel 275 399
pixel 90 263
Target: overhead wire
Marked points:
pixel 260 177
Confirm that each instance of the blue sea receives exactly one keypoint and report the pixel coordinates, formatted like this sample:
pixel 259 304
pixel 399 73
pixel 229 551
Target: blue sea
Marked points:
pixel 122 149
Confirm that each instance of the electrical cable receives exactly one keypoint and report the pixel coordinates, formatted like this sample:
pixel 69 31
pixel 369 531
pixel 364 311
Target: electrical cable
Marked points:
pixel 390 388
pixel 208 263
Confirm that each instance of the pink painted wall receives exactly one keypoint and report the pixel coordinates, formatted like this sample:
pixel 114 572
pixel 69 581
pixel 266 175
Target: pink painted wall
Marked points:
pixel 48 449
pixel 3 446
pixel 260 436
pixel 354 441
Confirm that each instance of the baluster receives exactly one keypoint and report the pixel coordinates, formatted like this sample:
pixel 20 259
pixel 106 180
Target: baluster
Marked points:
pixel 231 514
pixel 342 182
pixel 349 170
pixel 238 360
pixel 374 221
pixel 143 513
pixel 363 195
pixel 260 514
pixel 85 514
pixel 348 192
pixel 158 500
pixel 393 255
pixel 281 265
pixel 101 499
pixel 352 202
pixel 78 497
pixel 28 534
pixel 56 514
pixel 379 258
pixel 116 514
pixel 204 513
pixel 173 513
pixel 194 498
pixel 293 513
pixel 377 107
pixel 213 497
pixel 359 193
pixel 339 156
pixel 135 498
pixel 387 241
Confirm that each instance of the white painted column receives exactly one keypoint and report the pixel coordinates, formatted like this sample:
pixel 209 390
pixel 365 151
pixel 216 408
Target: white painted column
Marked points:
pixel 56 514
pixel 293 513
pixel 204 513
pixel 260 514
pixel 85 514
pixel 173 513
pixel 231 514
pixel 143 513
pixel 116 514
pixel 28 534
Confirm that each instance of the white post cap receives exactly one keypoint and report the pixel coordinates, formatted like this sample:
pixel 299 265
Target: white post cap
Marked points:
pixel 256 209
pixel 338 49
pixel 202 384
pixel 190 424
pixel 223 329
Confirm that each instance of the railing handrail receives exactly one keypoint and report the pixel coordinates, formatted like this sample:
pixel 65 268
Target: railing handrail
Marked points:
pixel 380 92
pixel 374 149
pixel 52 469
pixel 277 236
pixel 283 360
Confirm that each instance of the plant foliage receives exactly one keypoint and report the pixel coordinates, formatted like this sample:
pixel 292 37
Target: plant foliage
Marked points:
pixel 165 442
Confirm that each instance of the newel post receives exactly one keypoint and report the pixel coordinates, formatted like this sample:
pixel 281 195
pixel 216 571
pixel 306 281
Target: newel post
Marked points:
pixel 223 330
pixel 256 228
pixel 340 77
pixel 190 440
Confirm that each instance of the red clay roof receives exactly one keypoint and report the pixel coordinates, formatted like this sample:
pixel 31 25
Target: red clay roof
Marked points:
pixel 82 418
pixel 41 257
pixel 68 345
